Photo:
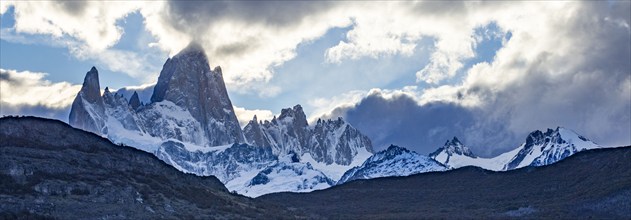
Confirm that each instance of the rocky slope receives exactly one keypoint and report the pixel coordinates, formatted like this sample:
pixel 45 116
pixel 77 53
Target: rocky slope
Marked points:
pixel 51 170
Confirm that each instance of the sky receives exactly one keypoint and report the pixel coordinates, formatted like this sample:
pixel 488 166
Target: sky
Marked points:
pixel 408 73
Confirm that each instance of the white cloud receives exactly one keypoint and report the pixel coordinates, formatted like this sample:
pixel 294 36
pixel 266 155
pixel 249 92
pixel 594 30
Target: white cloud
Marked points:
pixel 136 64
pixel 4 6
pixel 245 115
pixel 92 22
pixel 31 89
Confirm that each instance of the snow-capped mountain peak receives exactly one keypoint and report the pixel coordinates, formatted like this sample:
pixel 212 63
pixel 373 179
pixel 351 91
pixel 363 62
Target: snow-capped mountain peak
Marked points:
pixel 187 80
pixel 454 146
pixel 543 148
pixel 452 150
pixel 394 161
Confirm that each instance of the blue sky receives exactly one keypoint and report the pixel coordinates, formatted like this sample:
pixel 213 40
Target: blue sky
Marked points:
pixel 516 67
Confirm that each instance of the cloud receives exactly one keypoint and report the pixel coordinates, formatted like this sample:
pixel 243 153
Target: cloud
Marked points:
pixel 28 93
pixel 92 22
pixel 4 6
pixel 30 88
pixel 144 92
pixel 247 39
pixel 560 69
pixel 322 107
pixel 245 115
pixel 136 64
pixel 89 30
pixel 34 110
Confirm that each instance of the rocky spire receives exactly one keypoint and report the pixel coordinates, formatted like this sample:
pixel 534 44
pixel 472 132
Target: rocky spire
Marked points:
pixel 88 111
pixel 254 134
pixel 134 101
pixel 296 122
pixel 91 91
pixel 187 80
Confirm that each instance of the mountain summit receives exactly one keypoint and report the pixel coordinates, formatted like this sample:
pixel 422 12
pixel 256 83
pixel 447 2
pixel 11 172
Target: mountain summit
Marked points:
pixel 88 109
pixel 188 82
pixel 394 161
pixel 451 148
pixel 189 103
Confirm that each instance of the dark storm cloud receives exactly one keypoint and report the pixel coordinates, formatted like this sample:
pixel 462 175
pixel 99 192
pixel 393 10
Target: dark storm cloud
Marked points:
pixel 191 15
pixel 401 121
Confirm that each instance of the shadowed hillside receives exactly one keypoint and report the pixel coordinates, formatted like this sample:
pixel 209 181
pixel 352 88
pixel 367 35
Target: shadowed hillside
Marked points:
pixel 49 169
pixel 590 184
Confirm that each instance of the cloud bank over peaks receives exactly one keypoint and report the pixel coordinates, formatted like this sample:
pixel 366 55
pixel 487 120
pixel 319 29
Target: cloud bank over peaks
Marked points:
pixel 28 93
pixel 562 69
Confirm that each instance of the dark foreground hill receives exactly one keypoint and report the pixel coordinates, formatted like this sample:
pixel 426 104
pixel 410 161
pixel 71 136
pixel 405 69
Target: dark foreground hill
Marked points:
pixel 591 184
pixel 49 169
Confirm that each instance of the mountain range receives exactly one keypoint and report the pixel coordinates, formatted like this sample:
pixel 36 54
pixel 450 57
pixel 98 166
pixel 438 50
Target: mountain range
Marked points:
pixel 50 170
pixel 540 148
pixel 190 123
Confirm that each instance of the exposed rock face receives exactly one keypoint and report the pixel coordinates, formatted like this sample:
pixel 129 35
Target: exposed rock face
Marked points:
pixel 190 104
pixel 134 101
pixel 88 111
pixel 254 134
pixel 187 81
pixel 335 141
pixel 329 141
